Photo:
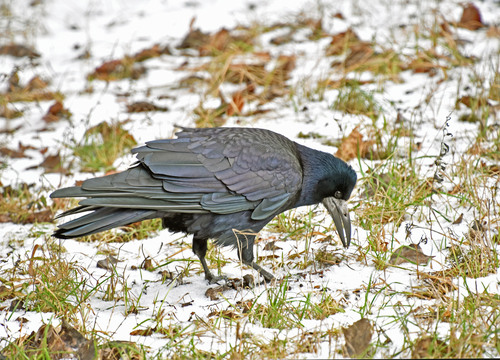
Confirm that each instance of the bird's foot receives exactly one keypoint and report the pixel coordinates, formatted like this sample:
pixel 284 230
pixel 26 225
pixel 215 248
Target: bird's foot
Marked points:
pixel 212 279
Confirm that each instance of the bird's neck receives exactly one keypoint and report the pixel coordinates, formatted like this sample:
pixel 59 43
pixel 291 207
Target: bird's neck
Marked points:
pixel 313 169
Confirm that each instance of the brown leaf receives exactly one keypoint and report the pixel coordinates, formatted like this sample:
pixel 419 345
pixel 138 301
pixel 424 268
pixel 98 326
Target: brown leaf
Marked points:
pixel 236 104
pixel 271 246
pixel 248 281
pixel 15 154
pixel 36 83
pixel 142 332
pixel 428 347
pixel 38 217
pixel 471 18
pixel 5 218
pixel 49 341
pixel 358 337
pixel 76 342
pixel 194 39
pixel 476 231
pixel 215 292
pixel 459 219
pixel 358 55
pixel 55 112
pixel 9 113
pixel 147 264
pixel 151 52
pixel 52 164
pixel 341 42
pixel 115 350
pixel 108 263
pixel 353 145
pixel 18 50
pixel 411 253
pixel 216 42
pixel 144 106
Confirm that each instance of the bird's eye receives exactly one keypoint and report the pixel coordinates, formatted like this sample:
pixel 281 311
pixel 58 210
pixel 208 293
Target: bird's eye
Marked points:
pixel 338 194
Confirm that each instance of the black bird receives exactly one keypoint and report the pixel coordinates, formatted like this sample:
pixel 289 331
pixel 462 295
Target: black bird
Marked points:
pixel 224 184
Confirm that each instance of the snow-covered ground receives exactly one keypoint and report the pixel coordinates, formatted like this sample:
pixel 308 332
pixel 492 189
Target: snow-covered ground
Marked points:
pixel 62 30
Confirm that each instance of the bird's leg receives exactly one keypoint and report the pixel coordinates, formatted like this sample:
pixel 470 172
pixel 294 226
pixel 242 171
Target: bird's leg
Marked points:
pixel 245 253
pixel 200 250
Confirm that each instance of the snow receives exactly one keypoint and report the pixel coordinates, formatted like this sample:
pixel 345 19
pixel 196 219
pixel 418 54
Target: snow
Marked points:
pixel 63 29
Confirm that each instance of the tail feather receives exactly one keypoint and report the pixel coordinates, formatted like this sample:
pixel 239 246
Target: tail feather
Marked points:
pixel 101 219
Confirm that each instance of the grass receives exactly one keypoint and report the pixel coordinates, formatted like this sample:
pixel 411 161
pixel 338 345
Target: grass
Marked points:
pixel 407 192
pixel 102 145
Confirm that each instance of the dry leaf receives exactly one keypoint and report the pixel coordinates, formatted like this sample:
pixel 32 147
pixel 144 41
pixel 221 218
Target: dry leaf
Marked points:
pixel 428 347
pixel 459 219
pixel 147 264
pixel 358 55
pixel 236 104
pixel 56 112
pixel 471 18
pixel 271 246
pixel 49 341
pixel 108 263
pixel 215 292
pixel 358 337
pixel 476 231
pixel 341 42
pixel 52 164
pixel 18 50
pixel 142 332
pixel 151 52
pixel 38 217
pixel 144 106
pixel 411 253
pixel 15 154
pixel 353 145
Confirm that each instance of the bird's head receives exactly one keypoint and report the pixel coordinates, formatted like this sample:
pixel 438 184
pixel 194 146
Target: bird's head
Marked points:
pixel 335 189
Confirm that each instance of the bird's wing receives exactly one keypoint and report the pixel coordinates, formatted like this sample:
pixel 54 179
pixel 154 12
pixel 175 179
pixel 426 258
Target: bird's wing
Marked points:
pixel 260 165
pixel 220 170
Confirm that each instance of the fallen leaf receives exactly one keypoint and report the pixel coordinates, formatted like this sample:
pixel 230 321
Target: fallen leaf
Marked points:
pixel 142 332
pixel 248 281
pixel 147 264
pixel 151 52
pixel 358 54
pixel 353 145
pixel 459 219
pixel 18 50
pixel 108 263
pixel 55 112
pixel 144 106
pixel 36 83
pixel 428 347
pixel 476 231
pixel 271 246
pixel 341 42
pixel 15 154
pixel 115 350
pixel 358 337
pixel 471 18
pixel 194 39
pixel 38 217
pixel 51 342
pixel 236 104
pixel 52 164
pixel 214 293
pixel 411 253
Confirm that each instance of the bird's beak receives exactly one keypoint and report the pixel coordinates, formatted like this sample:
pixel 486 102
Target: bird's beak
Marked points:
pixel 340 214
